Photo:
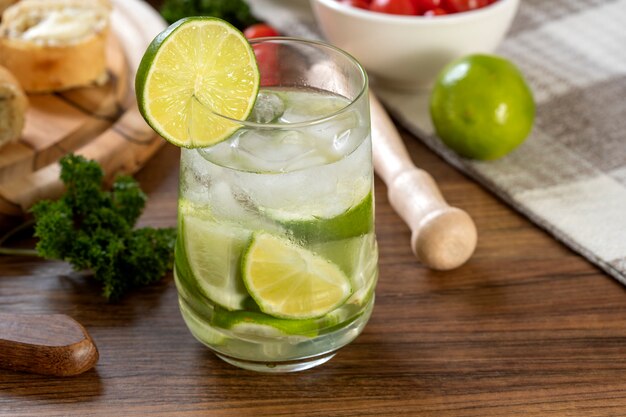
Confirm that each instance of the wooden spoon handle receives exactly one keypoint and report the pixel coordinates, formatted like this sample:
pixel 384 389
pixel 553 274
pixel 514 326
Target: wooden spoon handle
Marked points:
pixel 442 237
pixel 52 344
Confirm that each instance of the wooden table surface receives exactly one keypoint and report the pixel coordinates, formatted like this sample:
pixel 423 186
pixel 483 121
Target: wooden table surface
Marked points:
pixel 526 327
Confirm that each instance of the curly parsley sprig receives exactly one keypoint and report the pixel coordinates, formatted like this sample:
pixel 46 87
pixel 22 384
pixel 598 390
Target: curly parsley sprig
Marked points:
pixel 237 12
pixel 93 229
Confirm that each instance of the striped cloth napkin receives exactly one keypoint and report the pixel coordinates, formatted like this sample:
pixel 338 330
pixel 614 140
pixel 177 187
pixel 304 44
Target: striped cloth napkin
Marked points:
pixel 569 177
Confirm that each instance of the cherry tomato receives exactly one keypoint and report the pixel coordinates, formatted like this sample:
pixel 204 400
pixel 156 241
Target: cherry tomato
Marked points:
pixel 260 30
pixel 361 4
pixel 437 11
pixel 478 4
pixel 265 53
pixel 421 6
pixel 457 6
pixel 267 60
pixel 403 7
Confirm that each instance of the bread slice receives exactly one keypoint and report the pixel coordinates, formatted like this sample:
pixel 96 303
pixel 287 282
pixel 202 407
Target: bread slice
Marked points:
pixel 6 3
pixel 13 104
pixel 52 45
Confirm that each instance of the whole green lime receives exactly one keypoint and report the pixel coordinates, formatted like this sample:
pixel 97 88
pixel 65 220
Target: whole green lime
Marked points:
pixel 482 107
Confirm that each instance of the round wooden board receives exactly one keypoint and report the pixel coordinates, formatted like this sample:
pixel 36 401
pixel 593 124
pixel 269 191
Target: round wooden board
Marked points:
pixel 99 122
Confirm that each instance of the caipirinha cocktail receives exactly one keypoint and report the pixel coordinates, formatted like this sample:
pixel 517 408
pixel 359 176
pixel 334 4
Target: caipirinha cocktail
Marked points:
pixel 276 259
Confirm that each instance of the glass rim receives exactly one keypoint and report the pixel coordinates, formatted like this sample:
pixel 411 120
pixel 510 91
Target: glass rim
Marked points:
pixel 323 119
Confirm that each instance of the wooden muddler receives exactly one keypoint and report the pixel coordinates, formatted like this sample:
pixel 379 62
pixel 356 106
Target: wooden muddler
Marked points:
pixel 47 344
pixel 443 237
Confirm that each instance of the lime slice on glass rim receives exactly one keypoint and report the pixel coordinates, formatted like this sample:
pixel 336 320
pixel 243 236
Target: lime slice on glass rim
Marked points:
pixel 288 281
pixel 197 67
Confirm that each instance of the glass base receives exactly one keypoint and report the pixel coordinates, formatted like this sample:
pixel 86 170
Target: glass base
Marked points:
pixel 278 367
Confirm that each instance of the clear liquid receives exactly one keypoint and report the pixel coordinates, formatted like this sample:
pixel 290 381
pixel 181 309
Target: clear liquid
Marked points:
pixel 309 183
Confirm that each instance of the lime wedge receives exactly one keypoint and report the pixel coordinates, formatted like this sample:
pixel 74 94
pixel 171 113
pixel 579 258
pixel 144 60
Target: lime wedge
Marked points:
pixel 355 221
pixel 288 281
pixel 356 256
pixel 204 333
pixel 258 325
pixel 197 67
pixel 214 253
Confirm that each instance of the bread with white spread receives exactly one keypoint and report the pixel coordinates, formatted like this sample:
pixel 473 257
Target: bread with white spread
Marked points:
pixel 6 3
pixel 13 104
pixel 52 45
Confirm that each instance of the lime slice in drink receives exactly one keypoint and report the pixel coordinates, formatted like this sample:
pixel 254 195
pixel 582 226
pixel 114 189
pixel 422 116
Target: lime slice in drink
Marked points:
pixel 256 325
pixel 202 332
pixel 355 221
pixel 197 67
pixel 213 252
pixel 290 282
pixel 356 256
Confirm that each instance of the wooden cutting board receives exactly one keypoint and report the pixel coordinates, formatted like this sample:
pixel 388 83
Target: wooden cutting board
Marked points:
pixel 100 122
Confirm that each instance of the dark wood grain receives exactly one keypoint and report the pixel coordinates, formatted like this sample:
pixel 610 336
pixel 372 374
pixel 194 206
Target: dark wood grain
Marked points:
pixel 525 328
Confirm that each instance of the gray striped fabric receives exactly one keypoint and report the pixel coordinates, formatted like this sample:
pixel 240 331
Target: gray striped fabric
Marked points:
pixel 569 177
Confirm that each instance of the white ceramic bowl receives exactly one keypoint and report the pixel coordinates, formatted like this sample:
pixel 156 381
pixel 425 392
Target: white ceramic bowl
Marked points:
pixel 407 52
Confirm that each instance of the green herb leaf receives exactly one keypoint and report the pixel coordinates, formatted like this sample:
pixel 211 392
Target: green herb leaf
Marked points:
pixel 237 12
pixel 92 229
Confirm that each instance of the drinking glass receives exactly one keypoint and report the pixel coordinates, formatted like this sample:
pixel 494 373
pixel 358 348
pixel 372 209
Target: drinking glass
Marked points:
pixel 276 257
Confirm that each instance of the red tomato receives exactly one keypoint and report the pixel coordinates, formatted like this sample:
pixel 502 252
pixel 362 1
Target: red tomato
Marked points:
pixel 361 4
pixel 478 4
pixel 260 30
pixel 424 5
pixel 266 54
pixel 403 7
pixel 267 60
pixel 438 11
pixel 455 6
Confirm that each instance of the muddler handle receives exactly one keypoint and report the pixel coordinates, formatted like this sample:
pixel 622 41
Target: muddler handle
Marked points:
pixel 443 237
pixel 47 344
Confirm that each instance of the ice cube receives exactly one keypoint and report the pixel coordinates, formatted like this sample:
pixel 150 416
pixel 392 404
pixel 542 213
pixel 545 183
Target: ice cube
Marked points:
pixel 272 150
pixel 222 195
pixel 310 159
pixel 303 106
pixel 223 203
pixel 244 199
pixel 341 142
pixel 268 108
pixel 229 201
